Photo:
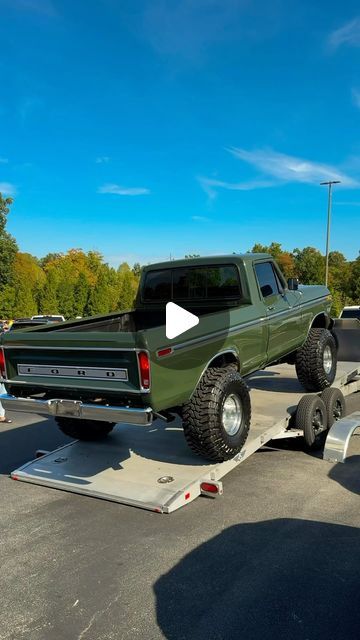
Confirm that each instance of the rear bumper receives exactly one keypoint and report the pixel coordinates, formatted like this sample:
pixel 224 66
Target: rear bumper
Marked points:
pixel 76 409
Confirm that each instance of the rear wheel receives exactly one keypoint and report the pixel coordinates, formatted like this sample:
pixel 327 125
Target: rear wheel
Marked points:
pixel 335 404
pixel 84 429
pixel 216 420
pixel 311 417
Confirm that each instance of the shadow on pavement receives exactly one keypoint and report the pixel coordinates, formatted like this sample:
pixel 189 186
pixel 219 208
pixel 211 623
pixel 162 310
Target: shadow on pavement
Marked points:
pixel 18 444
pixel 348 475
pixel 279 579
pixel 164 443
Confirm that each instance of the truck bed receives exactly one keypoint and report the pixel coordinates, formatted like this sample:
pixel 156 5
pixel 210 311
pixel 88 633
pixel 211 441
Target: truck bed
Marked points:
pixel 126 321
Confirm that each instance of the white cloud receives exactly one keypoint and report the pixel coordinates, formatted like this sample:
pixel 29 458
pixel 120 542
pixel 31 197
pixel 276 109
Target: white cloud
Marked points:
pixel 210 185
pixel 123 191
pixel 348 34
pixel 7 189
pixel 286 168
pixel 102 159
pixel 356 97
pixel 200 219
pixel 4 160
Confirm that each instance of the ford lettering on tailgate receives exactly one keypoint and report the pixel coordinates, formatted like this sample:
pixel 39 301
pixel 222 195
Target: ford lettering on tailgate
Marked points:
pixel 93 373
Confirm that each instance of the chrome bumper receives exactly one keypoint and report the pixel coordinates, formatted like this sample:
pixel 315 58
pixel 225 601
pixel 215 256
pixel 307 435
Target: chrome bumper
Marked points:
pixel 76 409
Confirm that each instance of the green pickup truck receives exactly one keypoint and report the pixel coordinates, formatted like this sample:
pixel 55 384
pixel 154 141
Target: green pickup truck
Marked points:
pixel 93 373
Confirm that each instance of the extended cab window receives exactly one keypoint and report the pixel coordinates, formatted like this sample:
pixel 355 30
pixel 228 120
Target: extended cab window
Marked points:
pixel 267 278
pixel 193 283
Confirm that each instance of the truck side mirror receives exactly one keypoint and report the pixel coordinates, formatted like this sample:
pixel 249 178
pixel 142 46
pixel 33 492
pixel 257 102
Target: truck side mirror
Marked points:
pixel 293 284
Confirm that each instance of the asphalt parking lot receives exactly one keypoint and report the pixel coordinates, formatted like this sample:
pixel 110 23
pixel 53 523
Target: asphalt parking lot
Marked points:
pixel 277 556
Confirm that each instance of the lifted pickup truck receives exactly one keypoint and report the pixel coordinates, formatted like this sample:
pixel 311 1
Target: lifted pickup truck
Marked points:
pixel 93 373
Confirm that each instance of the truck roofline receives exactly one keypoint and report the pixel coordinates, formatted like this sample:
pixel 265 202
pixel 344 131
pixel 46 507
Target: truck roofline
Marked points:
pixel 212 259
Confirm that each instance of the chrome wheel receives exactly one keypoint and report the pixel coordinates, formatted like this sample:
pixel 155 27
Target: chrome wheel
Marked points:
pixel 327 360
pixel 232 414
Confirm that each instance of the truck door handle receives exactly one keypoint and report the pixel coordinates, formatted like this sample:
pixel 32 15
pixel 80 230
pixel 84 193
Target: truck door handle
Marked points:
pixel 271 308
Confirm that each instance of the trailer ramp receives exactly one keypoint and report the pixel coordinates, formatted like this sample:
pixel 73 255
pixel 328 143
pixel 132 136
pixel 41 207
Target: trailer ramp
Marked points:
pixel 153 468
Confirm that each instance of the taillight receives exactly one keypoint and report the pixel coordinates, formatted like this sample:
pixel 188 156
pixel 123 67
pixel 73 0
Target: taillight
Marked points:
pixel 144 369
pixel 2 363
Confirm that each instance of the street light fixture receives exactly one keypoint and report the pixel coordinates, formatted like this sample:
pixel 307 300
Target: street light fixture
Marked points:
pixel 329 184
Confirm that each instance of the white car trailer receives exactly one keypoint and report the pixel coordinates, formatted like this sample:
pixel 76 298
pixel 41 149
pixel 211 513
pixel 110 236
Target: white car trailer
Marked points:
pixel 153 467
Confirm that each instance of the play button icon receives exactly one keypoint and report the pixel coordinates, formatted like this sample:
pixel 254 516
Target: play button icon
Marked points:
pixel 178 320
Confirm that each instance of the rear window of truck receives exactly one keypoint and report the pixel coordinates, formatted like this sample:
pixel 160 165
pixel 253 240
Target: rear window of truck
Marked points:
pixel 192 283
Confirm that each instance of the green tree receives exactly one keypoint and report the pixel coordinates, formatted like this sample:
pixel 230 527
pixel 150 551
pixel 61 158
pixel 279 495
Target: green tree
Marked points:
pixel 137 269
pixel 81 294
pixel 50 257
pixel 127 286
pixel 284 259
pixel 7 301
pixel 48 302
pixel 24 301
pixel 28 280
pixel 354 286
pixel 66 299
pixel 99 300
pixel 8 248
pixel 309 265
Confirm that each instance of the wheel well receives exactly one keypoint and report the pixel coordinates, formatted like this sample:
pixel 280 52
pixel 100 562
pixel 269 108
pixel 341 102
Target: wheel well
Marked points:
pixel 223 359
pixel 322 321
pixel 220 361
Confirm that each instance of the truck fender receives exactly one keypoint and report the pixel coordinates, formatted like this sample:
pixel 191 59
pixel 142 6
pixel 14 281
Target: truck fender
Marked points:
pixel 221 359
pixel 321 321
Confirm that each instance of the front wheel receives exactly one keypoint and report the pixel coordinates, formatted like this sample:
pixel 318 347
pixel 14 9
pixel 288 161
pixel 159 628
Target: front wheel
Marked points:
pixel 84 429
pixel 216 420
pixel 316 361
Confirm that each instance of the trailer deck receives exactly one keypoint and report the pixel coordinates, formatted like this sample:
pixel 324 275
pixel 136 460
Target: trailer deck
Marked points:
pixel 154 469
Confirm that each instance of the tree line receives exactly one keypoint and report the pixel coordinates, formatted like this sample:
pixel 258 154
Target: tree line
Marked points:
pixel 308 265
pixel 79 283
pixel 76 283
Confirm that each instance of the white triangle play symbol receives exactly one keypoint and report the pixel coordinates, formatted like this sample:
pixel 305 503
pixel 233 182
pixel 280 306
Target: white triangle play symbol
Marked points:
pixel 178 320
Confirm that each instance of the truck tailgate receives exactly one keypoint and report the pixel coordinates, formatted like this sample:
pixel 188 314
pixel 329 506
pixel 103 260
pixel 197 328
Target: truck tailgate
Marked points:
pixel 99 362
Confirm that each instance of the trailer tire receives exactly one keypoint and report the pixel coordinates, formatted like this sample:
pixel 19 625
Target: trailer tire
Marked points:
pixel 84 429
pixel 335 404
pixel 216 420
pixel 311 417
pixel 316 360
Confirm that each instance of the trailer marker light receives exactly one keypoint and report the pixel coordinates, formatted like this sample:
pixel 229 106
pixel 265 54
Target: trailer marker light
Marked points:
pixel 164 352
pixel 187 496
pixel 144 369
pixel 209 487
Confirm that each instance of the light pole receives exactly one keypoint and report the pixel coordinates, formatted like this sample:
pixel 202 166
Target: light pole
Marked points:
pixel 329 184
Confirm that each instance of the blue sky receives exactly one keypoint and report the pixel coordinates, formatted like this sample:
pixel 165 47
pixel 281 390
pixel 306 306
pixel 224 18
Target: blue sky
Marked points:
pixel 144 128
